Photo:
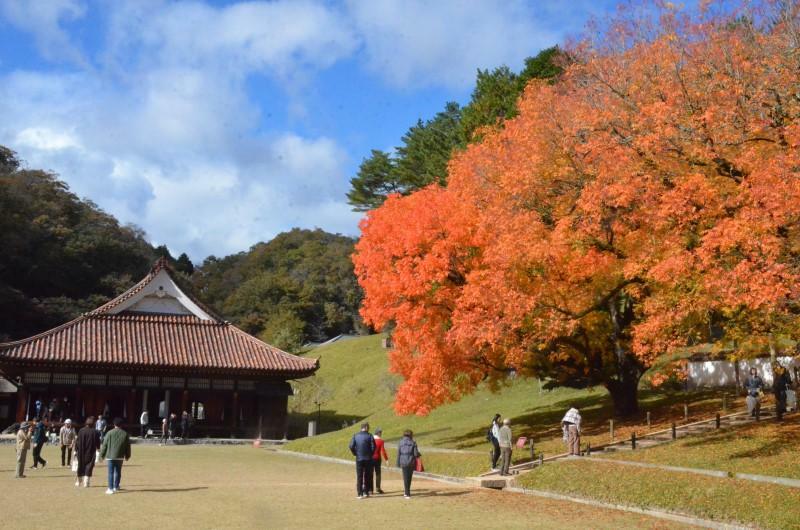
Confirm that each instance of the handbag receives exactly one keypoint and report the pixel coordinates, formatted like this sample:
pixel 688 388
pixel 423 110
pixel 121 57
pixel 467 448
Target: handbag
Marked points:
pixel 74 465
pixel 97 457
pixel 419 467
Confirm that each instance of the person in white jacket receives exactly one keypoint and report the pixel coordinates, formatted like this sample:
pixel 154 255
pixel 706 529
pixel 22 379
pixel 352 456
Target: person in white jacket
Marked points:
pixel 571 425
pixel 144 420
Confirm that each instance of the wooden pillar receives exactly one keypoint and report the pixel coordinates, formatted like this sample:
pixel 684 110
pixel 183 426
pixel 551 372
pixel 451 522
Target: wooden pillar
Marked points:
pixel 185 401
pixel 131 406
pixel 235 410
pixel 144 401
pixel 166 404
pixel 79 404
pixel 22 404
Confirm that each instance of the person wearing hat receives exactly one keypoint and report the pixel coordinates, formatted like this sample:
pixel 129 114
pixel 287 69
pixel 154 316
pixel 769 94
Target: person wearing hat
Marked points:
pixel 23 445
pixel 380 451
pixel 66 438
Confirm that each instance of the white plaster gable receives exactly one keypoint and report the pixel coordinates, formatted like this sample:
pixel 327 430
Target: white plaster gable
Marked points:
pixel 162 295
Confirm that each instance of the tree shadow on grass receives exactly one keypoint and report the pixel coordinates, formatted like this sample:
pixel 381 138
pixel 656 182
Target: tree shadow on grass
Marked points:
pixel 537 422
pixel 544 422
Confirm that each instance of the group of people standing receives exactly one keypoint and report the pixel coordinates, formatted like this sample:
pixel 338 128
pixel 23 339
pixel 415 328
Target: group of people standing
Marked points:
pixel 370 449
pixel 171 426
pixel 500 436
pixel 781 388
pixel 89 445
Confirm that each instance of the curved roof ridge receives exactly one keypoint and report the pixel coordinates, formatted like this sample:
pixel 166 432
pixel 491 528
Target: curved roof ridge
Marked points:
pixel 44 334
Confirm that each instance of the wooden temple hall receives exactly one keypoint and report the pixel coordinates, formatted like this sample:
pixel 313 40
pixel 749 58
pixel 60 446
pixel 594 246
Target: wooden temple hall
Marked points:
pixel 155 348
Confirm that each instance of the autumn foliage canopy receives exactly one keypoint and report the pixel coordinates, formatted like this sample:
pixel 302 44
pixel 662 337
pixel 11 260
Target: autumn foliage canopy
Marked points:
pixel 650 194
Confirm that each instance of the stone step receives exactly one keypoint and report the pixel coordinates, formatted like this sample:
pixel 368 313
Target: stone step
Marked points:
pixel 497 483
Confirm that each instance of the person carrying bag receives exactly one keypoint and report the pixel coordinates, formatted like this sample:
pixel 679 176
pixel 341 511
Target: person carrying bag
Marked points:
pixel 408 460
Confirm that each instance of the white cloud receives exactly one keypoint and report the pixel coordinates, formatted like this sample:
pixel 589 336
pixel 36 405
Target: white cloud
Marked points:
pixel 280 38
pixel 176 153
pixel 160 129
pixel 42 18
pixel 420 42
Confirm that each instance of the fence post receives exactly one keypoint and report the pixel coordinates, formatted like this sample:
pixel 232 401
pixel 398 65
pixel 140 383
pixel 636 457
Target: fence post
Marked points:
pixel 758 411
pixel 533 453
pixel 685 412
pixel 611 428
pixel 674 431
pixel 648 419
pixel 541 459
pixel 589 449
pixel 633 440
pixel 717 420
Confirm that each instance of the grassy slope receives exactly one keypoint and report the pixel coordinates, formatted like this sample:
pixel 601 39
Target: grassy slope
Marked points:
pixel 767 448
pixel 356 372
pixel 766 505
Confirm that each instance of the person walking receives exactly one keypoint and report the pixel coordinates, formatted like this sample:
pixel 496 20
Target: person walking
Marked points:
pixel 380 451
pixel 781 383
pixel 100 425
pixel 571 426
pixel 362 445
pixel 144 420
pixel 164 430
pixel 504 439
pixel 39 438
pixel 86 445
pixel 23 446
pixel 116 447
pixel 754 386
pixel 184 425
pixel 173 426
pixel 493 435
pixel 407 455
pixel 66 439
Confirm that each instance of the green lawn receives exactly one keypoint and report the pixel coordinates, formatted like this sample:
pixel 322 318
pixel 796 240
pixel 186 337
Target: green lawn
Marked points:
pixel 766 448
pixel 355 373
pixel 241 487
pixel 722 499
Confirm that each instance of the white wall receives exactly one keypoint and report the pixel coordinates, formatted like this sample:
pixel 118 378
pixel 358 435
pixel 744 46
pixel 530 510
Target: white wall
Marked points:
pixel 711 374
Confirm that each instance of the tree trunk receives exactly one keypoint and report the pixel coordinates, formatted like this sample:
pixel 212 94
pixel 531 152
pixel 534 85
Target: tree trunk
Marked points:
pixel 624 395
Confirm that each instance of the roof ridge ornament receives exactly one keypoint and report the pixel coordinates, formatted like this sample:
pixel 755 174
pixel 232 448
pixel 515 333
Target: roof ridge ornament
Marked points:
pixel 161 263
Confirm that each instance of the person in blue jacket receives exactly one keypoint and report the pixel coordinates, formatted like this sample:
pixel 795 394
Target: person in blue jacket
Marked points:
pixel 362 445
pixel 38 439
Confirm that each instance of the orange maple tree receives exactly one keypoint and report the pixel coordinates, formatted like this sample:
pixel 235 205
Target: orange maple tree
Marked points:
pixel 650 193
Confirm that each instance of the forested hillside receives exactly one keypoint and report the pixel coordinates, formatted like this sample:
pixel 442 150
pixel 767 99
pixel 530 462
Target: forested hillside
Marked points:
pixel 299 287
pixel 60 255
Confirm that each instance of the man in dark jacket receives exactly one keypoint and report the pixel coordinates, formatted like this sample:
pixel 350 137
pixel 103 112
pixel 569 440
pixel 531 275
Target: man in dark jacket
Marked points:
pixel 38 439
pixel 86 445
pixel 363 447
pixel 781 382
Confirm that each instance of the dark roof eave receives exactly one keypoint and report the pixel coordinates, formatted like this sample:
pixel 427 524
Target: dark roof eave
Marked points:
pixel 5 364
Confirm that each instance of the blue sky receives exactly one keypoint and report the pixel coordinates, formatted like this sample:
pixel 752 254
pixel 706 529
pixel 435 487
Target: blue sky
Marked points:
pixel 215 125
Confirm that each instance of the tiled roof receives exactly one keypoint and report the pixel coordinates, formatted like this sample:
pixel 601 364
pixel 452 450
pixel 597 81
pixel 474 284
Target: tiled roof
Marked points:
pixel 107 338
pixel 147 340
